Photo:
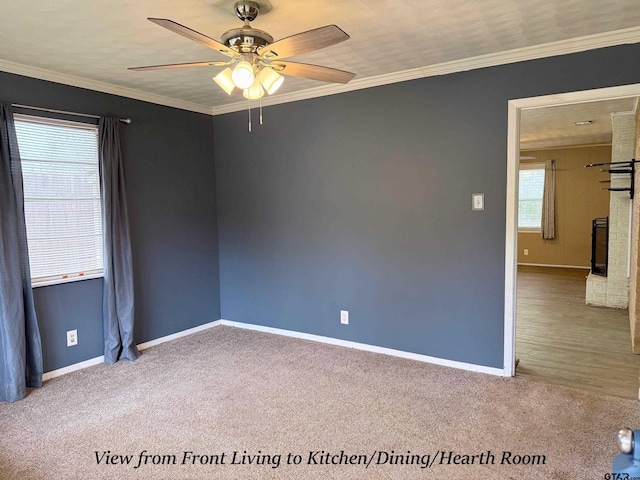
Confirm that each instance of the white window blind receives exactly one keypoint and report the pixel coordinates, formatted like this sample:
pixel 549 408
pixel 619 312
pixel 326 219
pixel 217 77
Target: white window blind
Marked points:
pixel 531 189
pixel 62 198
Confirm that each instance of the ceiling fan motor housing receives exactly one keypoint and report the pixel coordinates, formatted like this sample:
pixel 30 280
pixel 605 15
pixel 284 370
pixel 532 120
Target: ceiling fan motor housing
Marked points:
pixel 246 39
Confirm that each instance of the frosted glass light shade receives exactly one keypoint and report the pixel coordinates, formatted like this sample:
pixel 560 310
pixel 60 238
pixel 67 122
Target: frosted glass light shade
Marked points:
pixel 243 75
pixel 270 80
pixel 225 81
pixel 254 92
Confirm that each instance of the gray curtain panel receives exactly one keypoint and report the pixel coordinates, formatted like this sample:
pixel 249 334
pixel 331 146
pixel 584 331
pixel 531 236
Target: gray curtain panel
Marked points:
pixel 117 297
pixel 549 201
pixel 20 344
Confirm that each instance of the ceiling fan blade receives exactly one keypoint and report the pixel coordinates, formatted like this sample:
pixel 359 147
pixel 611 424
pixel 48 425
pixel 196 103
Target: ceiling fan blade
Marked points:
pixel 179 65
pixel 195 36
pixel 304 42
pixel 312 72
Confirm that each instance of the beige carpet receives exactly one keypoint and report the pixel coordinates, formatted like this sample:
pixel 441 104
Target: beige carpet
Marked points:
pixel 228 390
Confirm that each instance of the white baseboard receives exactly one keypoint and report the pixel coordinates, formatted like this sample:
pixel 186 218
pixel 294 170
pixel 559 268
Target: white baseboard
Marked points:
pixel 370 348
pixel 581 267
pixel 289 333
pixel 175 336
pixel 141 346
pixel 72 368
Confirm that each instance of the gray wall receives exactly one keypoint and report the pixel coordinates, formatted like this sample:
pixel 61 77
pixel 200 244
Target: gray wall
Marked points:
pixel 359 201
pixel 172 206
pixel 362 201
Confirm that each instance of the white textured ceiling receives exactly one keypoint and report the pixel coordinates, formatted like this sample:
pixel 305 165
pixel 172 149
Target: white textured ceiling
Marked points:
pixel 98 39
pixel 553 127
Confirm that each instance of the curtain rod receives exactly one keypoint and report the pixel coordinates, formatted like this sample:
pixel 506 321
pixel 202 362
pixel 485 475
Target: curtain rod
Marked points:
pixel 88 115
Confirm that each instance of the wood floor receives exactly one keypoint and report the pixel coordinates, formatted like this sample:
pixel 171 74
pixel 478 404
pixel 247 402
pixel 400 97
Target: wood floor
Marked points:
pixel 561 340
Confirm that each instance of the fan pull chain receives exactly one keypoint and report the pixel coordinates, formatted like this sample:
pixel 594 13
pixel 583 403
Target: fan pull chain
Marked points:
pixel 249 114
pixel 260 110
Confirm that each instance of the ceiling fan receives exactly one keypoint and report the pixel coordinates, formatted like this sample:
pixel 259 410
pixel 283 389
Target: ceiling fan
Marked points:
pixel 256 59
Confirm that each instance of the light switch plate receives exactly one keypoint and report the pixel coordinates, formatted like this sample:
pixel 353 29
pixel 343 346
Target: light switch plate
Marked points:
pixel 477 201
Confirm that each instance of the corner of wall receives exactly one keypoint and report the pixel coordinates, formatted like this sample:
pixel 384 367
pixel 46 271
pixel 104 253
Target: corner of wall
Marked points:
pixel 634 275
pixel 217 209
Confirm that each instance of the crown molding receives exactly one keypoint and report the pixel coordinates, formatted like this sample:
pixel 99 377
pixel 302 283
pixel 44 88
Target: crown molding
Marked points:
pixel 524 148
pixel 562 47
pixel 81 82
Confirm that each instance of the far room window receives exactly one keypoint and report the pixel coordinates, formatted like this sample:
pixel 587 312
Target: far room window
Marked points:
pixel 530 194
pixel 62 198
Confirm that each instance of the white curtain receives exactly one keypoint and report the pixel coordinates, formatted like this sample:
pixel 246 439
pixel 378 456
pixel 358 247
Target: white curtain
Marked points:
pixel 549 201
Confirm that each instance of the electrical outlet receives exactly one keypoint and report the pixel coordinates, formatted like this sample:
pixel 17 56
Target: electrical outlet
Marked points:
pixel 344 317
pixel 526 251
pixel 477 201
pixel 72 338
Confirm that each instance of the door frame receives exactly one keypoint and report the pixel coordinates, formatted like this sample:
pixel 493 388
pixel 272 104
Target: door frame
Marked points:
pixel 513 154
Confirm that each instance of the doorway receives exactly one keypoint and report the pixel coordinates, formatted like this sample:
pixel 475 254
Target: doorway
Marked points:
pixel 516 109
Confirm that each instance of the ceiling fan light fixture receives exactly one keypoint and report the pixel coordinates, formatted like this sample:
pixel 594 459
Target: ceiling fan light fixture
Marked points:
pixel 242 75
pixel 254 92
pixel 252 68
pixel 270 80
pixel 225 80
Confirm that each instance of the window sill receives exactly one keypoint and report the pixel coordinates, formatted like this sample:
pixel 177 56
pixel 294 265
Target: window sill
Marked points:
pixel 530 230
pixel 46 282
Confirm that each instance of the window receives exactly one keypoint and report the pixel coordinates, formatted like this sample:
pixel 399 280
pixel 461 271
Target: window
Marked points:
pixel 62 198
pixel 531 189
